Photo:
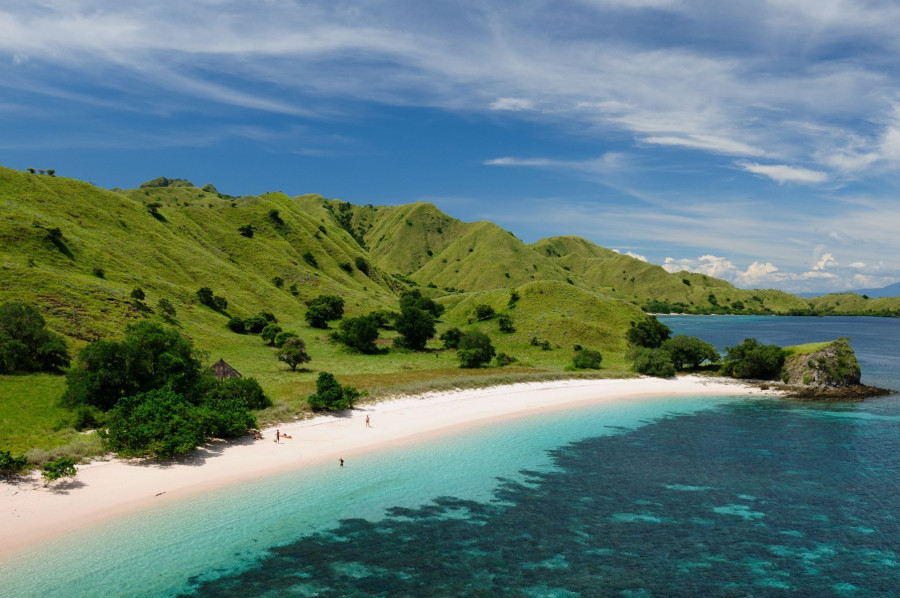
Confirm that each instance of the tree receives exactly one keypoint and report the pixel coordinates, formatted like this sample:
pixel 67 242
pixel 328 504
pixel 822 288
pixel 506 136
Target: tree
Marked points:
pixel 246 230
pixel 10 466
pixel 158 423
pixel 30 169
pixel 359 333
pixel 278 281
pixel 246 391
pixel 416 327
pixel 269 332
pixel 137 293
pixel 587 359
pixel 505 323
pixel 688 352
pixel 753 360
pixel 207 298
pixel 475 350
pixel 236 325
pixel 323 309
pixel 51 172
pixel 310 259
pixel 150 357
pixel 650 333
pixel 275 218
pixel 281 337
pixel 293 352
pixel 451 338
pixel 330 395
pixel 64 467
pixel 25 342
pixel 415 299
pixel 653 362
pixel 484 312
pixel 166 308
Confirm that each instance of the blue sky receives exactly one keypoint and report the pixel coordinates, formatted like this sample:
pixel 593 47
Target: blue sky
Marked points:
pixel 754 141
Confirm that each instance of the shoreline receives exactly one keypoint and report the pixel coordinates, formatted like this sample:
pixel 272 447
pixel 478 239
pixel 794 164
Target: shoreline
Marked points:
pixel 104 490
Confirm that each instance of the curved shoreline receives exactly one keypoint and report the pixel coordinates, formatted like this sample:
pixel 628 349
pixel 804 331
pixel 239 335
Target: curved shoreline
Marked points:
pixel 104 490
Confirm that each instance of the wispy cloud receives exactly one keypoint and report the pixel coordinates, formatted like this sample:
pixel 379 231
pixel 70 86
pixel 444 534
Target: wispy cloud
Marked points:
pixel 784 173
pixel 608 162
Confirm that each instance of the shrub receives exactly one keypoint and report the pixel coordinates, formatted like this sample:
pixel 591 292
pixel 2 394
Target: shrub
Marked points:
pixel 346 267
pixel 206 297
pixel 752 360
pixel 10 466
pixel 503 360
pixel 323 309
pixel 247 391
pixel 451 338
pixel 87 417
pixel 484 312
pixel 166 308
pixel 362 265
pixel 25 342
pixel 310 259
pixel 99 272
pixel 505 323
pixel 247 231
pixel 475 350
pixel 236 325
pixel 278 281
pixel 415 299
pixel 650 333
pixel 269 333
pixel 158 423
pixel 513 298
pixel 416 327
pixel 137 293
pixel 255 324
pixel 587 359
pixel 294 290
pixel 688 352
pixel 282 337
pixel 359 333
pixel 275 218
pixel 64 467
pixel 293 352
pixel 653 362
pixel 331 396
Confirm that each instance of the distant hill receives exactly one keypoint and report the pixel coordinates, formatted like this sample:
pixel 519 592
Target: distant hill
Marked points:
pixel 891 290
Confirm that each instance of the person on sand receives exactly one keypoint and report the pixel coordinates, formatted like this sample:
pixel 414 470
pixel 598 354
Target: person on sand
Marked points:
pixel 286 435
pixel 277 436
pixel 342 461
pixel 367 422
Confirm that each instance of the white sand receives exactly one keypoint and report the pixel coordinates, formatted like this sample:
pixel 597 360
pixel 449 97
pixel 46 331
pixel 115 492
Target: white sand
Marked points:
pixel 32 514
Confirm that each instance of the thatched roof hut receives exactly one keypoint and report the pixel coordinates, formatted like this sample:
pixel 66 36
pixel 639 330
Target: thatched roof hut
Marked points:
pixel 223 371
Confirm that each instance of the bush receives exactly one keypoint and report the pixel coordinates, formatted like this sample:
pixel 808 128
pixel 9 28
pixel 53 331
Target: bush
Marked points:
pixel 293 352
pixel 688 352
pixel 158 423
pixel 87 417
pixel 475 350
pixel 752 360
pixel 653 362
pixel 331 396
pixel 359 333
pixel 513 298
pixel 206 297
pixel 484 312
pixel 236 325
pixel 246 391
pixel 346 267
pixel 323 309
pixel 166 308
pixel 269 333
pixel 451 338
pixel 64 467
pixel 310 259
pixel 10 466
pixel 150 357
pixel 282 338
pixel 247 231
pixel 650 333
pixel 362 265
pixel 505 323
pixel 275 218
pixel 255 324
pixel 587 359
pixel 415 299
pixel 26 344
pixel 278 281
pixel 99 272
pixel 137 293
pixel 416 327
pixel 503 360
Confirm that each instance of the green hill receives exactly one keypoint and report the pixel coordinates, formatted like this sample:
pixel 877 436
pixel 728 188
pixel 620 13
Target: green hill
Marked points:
pixel 76 252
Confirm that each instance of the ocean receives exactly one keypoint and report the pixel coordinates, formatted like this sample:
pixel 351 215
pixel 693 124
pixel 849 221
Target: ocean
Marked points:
pixel 717 496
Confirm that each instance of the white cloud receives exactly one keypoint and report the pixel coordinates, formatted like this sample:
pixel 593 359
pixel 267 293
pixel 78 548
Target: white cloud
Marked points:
pixel 712 143
pixel 608 162
pixel 785 174
pixel 512 104
pixel 824 262
pixel 757 274
pixel 19 58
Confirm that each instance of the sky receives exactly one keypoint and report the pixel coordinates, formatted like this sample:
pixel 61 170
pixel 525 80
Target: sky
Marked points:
pixel 755 141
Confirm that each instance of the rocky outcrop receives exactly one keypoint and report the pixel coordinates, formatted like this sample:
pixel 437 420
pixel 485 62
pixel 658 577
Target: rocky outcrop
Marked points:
pixel 828 371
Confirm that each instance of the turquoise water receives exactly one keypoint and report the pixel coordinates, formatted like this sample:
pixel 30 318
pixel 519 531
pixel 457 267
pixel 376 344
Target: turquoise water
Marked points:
pixel 664 497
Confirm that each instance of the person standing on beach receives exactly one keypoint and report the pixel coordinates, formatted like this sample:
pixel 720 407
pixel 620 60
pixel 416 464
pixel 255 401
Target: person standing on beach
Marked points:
pixel 277 436
pixel 367 422
pixel 342 461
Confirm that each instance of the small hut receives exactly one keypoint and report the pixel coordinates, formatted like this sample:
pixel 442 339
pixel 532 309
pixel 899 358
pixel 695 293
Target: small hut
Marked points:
pixel 223 371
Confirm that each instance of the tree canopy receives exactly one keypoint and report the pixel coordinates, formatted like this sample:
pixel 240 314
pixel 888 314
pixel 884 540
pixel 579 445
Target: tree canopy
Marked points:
pixel 330 395
pixel 293 352
pixel 753 360
pixel 359 333
pixel 475 350
pixel 26 344
pixel 322 309
pixel 416 327
pixel 650 333
pixel 689 352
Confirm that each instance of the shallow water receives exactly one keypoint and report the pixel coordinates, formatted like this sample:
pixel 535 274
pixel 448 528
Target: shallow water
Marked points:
pixel 659 497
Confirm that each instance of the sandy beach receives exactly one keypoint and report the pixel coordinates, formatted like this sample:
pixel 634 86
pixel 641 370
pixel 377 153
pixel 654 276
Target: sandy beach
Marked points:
pixel 33 514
